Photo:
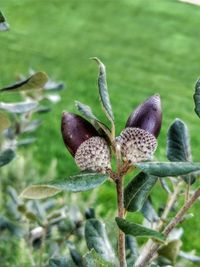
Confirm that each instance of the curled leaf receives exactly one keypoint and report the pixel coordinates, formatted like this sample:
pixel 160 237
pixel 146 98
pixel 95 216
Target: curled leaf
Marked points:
pixel 103 90
pixel 86 111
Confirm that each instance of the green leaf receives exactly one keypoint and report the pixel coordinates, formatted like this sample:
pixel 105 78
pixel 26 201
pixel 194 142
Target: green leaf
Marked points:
pixel 4 121
pixel 81 182
pixel 92 259
pixel 163 169
pixel 87 112
pixel 97 239
pixel 4 26
pixel 137 191
pixel 103 90
pixel 76 257
pixel 149 212
pixel 134 229
pixel 197 98
pixel 171 250
pixel 6 157
pixel 21 107
pixel 178 145
pixel 36 81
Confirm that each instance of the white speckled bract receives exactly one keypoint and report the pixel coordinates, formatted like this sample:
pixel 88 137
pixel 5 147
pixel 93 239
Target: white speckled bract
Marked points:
pixel 137 144
pixel 93 154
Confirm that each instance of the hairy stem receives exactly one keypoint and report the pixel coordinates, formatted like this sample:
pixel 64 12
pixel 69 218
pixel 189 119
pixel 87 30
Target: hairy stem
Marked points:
pixel 121 238
pixel 151 247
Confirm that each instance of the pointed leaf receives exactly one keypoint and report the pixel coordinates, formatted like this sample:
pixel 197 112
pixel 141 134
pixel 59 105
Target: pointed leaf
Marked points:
pixel 81 182
pixel 149 212
pixel 92 259
pixel 137 191
pixel 134 229
pixel 97 239
pixel 36 81
pixel 163 169
pixel 197 97
pixel 103 90
pixel 76 256
pixel 21 107
pixel 4 26
pixel 178 145
pixel 171 250
pixel 6 157
pixel 87 112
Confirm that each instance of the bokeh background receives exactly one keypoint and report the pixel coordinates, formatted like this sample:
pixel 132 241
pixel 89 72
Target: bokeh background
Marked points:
pixel 148 47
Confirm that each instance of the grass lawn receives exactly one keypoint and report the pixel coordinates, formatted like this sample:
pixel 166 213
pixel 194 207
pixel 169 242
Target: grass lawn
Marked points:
pixel 148 47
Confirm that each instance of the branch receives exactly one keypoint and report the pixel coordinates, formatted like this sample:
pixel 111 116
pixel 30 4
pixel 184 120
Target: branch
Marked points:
pixel 121 238
pixel 151 248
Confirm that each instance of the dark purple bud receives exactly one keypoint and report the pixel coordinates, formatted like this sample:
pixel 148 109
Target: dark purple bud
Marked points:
pixel 75 130
pixel 147 116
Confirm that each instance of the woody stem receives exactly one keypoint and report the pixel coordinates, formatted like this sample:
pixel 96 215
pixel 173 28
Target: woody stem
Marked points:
pixel 121 236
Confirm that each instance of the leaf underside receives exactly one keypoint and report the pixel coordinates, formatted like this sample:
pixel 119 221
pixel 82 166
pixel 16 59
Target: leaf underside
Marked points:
pixel 77 183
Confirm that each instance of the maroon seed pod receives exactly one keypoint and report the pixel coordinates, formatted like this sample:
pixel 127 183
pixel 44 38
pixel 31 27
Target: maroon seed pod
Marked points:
pixel 75 130
pixel 147 116
pixel 91 152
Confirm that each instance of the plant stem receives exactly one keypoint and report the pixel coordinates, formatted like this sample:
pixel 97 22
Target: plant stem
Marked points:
pixel 121 238
pixel 170 203
pixel 151 248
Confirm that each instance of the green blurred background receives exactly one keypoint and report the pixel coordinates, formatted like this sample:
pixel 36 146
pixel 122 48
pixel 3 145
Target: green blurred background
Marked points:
pixel 148 47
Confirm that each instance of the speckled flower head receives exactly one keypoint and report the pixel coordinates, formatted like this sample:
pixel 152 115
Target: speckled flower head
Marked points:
pixel 91 152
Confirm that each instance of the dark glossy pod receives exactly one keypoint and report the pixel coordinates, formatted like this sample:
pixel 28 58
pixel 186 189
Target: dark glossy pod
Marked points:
pixel 147 116
pixel 75 130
